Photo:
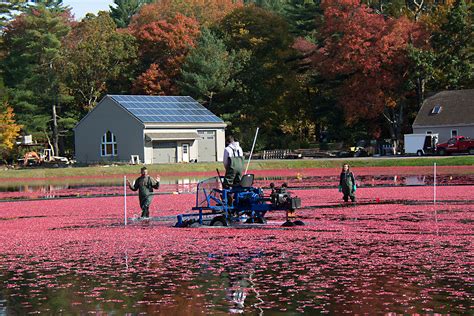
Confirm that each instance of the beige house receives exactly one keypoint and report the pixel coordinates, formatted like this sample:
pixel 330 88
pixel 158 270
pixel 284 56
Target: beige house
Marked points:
pixel 157 129
pixel 447 113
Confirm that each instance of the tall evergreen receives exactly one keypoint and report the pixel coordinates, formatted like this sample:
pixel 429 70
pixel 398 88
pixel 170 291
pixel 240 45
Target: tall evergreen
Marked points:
pixel 8 9
pixel 454 48
pixel 208 73
pixel 32 45
pixel 303 16
pixel 124 10
pixel 277 6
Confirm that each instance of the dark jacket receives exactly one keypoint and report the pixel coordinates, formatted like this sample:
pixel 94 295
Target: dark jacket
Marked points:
pixel 145 185
pixel 347 180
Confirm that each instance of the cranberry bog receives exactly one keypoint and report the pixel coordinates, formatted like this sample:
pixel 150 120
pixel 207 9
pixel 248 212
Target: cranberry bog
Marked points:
pixel 395 251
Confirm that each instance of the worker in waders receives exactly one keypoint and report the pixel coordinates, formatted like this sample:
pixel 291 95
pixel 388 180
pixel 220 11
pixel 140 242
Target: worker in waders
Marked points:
pixel 233 162
pixel 347 183
pixel 145 185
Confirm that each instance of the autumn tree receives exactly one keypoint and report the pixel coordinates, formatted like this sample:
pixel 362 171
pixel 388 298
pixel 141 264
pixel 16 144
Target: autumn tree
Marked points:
pixel 368 52
pixel 9 129
pixel 206 12
pixel 96 58
pixel 163 46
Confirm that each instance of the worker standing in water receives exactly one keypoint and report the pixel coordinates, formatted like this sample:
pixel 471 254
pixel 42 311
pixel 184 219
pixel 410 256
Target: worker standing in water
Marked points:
pixel 145 185
pixel 347 183
pixel 233 162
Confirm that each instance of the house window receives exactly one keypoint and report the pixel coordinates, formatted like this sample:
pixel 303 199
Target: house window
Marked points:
pixel 454 133
pixel 436 109
pixel 109 145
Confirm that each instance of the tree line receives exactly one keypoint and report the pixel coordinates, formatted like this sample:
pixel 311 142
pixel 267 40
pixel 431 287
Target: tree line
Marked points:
pixel 304 71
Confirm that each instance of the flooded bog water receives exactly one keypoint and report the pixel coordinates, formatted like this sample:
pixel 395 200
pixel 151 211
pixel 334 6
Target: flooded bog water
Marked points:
pixel 75 257
pixel 114 186
pixel 91 187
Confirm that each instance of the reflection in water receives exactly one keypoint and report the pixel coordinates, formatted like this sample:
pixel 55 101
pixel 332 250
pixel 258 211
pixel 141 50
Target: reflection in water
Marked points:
pixel 375 181
pixel 42 190
pixel 415 180
pixel 188 185
pixel 237 296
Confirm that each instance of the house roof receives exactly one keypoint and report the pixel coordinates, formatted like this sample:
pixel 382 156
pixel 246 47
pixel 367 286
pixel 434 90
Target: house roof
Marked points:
pixel 165 109
pixel 455 107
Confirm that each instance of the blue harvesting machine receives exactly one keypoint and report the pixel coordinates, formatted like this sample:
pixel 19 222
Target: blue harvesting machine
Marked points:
pixel 219 206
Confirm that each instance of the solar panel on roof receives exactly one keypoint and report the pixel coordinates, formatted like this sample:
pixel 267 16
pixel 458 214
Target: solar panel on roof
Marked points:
pixel 150 109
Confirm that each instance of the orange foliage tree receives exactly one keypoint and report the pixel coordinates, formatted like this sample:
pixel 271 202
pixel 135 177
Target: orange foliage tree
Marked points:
pixel 164 45
pixel 207 12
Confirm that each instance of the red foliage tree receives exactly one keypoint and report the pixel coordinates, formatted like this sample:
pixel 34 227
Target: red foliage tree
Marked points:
pixel 367 51
pixel 163 47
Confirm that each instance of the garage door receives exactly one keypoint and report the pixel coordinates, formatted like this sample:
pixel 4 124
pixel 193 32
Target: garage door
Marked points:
pixel 164 152
pixel 207 146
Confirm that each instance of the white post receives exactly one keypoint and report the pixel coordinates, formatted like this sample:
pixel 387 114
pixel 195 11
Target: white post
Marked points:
pixel 125 198
pixel 434 183
pixel 251 152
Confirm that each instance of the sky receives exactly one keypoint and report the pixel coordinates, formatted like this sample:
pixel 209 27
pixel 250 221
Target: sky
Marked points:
pixel 81 7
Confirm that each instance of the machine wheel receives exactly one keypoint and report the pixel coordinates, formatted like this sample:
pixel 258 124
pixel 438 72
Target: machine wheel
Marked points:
pixel 419 153
pixel 257 220
pixel 298 223
pixel 442 152
pixel 194 225
pixel 219 221
pixel 471 151
pixel 288 224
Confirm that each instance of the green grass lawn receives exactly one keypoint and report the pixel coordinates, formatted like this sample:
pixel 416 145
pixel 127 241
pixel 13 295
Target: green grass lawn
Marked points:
pixel 36 172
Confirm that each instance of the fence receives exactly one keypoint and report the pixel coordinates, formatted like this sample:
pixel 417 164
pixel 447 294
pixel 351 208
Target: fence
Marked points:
pixel 276 154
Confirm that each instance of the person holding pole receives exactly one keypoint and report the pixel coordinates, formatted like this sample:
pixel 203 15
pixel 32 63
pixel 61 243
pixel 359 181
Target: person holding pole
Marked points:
pixel 145 185
pixel 233 162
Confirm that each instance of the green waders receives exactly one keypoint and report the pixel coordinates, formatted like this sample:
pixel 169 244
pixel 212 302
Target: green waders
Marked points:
pixel 347 182
pixel 145 202
pixel 233 173
pixel 145 186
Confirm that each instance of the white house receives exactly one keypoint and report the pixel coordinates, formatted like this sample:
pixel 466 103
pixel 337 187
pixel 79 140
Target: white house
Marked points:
pixel 157 129
pixel 447 113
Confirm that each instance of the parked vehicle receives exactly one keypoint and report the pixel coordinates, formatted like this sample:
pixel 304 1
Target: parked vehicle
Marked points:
pixel 459 144
pixel 420 144
pixel 42 158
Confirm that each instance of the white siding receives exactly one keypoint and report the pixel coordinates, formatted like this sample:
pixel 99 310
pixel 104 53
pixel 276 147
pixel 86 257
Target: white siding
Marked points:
pixel 193 144
pixel 445 131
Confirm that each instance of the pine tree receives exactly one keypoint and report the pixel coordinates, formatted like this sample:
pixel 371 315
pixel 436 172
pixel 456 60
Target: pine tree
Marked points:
pixel 123 11
pixel 304 16
pixel 31 72
pixel 209 70
pixel 454 48
pixel 277 6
